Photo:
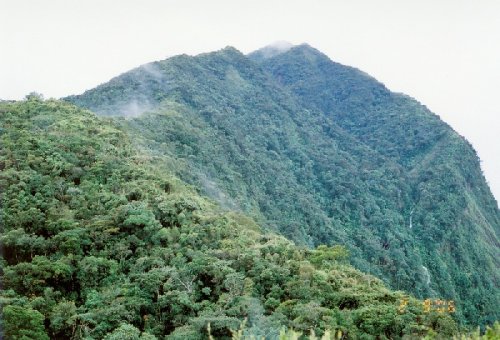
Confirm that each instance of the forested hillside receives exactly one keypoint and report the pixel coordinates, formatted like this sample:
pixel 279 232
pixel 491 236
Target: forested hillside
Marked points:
pixel 454 215
pixel 323 154
pixel 101 240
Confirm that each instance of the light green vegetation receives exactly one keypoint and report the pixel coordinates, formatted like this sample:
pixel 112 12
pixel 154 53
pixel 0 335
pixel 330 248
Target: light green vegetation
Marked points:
pixel 100 241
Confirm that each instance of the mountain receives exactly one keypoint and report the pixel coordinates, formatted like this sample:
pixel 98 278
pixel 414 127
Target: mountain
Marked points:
pixel 100 240
pixel 454 215
pixel 323 154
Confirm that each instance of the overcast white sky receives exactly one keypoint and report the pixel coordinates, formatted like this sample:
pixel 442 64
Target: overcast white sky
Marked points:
pixel 445 53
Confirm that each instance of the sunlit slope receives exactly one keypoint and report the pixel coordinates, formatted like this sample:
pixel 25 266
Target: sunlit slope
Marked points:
pixel 100 240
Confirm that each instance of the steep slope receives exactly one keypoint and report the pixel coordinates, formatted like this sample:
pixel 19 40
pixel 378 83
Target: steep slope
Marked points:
pixel 231 130
pixel 321 153
pixel 454 214
pixel 99 241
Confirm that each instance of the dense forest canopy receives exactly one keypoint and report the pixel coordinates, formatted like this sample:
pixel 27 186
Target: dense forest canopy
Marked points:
pixel 323 154
pixel 103 241
pixel 228 195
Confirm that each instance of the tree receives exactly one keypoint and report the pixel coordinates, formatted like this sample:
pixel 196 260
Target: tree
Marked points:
pixel 23 323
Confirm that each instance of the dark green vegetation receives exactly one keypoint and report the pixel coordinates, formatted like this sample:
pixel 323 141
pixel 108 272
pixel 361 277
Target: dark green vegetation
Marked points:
pixel 101 240
pixel 323 154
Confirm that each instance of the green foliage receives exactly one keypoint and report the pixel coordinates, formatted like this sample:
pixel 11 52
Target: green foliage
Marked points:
pixel 325 255
pixel 454 218
pixel 115 246
pixel 22 323
pixel 491 333
pixel 128 332
pixel 325 155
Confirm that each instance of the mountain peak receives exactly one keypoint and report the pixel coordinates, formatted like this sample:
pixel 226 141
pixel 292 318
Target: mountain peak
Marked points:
pixel 271 50
pixel 226 51
pixel 305 47
pixel 230 49
pixel 308 53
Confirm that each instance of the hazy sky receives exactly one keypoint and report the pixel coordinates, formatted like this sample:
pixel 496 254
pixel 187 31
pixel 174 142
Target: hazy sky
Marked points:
pixel 444 53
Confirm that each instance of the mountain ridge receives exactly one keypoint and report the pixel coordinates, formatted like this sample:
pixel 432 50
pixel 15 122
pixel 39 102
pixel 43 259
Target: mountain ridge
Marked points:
pixel 338 155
